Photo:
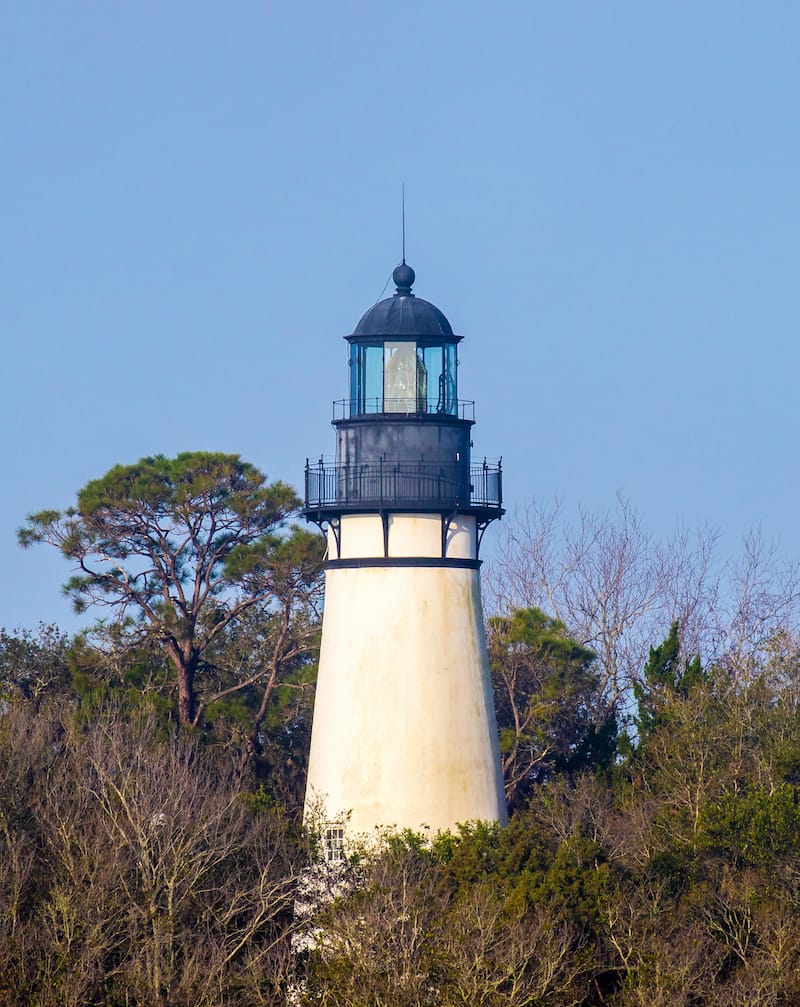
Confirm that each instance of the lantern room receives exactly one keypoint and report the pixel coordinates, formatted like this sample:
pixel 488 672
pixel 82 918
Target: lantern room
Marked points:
pixel 403 357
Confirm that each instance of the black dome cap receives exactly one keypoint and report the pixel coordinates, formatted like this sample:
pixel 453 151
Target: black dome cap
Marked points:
pixel 403 314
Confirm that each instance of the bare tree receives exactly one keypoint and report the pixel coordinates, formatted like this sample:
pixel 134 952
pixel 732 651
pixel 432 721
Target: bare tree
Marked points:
pixel 617 588
pixel 498 956
pixel 157 882
pixel 664 960
pixel 762 601
pixel 605 578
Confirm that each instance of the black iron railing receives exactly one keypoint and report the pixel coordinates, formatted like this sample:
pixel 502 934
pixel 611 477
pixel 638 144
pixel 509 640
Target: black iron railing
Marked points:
pixel 375 486
pixel 346 409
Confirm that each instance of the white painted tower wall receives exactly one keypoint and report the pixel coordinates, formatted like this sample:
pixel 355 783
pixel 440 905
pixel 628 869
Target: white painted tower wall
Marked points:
pixel 404 732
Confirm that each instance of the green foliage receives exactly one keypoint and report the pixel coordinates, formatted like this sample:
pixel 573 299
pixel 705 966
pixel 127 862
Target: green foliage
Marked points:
pixel 550 712
pixel 192 484
pixel 760 827
pixel 664 678
pixel 576 879
pixel 527 865
pixel 485 850
pixel 173 518
pixel 293 560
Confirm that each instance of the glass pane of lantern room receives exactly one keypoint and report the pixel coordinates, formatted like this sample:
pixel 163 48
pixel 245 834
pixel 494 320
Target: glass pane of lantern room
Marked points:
pixel 423 390
pixel 370 379
pixel 449 381
pixel 400 377
pixel 435 385
pixel 354 396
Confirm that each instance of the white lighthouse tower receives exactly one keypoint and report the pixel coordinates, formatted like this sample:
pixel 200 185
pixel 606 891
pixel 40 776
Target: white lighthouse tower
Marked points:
pixel 404 732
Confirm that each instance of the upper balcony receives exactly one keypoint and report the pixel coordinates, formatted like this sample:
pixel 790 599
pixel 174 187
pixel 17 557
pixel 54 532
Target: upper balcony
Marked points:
pixel 408 486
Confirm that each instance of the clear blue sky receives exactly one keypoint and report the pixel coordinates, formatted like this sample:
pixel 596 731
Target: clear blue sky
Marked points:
pixel 199 199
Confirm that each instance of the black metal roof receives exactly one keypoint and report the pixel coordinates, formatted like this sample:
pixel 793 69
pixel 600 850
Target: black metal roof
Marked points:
pixel 403 314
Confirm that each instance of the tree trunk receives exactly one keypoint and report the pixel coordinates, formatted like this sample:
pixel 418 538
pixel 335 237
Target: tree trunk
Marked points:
pixel 185 660
pixel 185 697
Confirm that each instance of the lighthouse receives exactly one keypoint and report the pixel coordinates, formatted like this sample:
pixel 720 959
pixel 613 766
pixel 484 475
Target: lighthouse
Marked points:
pixel 404 732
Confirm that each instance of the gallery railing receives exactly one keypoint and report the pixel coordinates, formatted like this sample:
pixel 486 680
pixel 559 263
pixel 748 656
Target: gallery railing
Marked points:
pixel 346 409
pixel 427 485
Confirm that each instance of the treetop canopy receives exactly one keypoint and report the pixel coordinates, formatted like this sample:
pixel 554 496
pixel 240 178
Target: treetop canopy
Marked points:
pixel 121 512
pixel 189 482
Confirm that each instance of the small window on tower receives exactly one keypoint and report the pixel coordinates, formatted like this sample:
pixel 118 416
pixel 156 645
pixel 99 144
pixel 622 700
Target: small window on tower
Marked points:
pixel 334 844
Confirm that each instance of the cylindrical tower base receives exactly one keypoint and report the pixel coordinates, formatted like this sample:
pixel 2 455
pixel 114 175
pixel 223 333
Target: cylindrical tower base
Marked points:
pixel 404 732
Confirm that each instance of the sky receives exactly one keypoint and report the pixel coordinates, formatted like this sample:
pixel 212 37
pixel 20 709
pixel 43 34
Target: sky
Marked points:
pixel 198 200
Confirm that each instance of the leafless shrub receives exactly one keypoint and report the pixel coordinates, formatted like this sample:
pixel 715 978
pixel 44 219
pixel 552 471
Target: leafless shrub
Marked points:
pixel 665 960
pixel 522 958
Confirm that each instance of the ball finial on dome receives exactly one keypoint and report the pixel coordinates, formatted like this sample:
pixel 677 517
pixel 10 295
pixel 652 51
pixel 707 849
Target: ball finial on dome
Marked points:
pixel 403 276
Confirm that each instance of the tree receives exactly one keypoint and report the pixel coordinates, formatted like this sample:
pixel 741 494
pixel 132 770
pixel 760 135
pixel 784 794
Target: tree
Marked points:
pixel 606 578
pixel 664 678
pixel 616 588
pixel 33 665
pixel 263 665
pixel 547 696
pixel 178 548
